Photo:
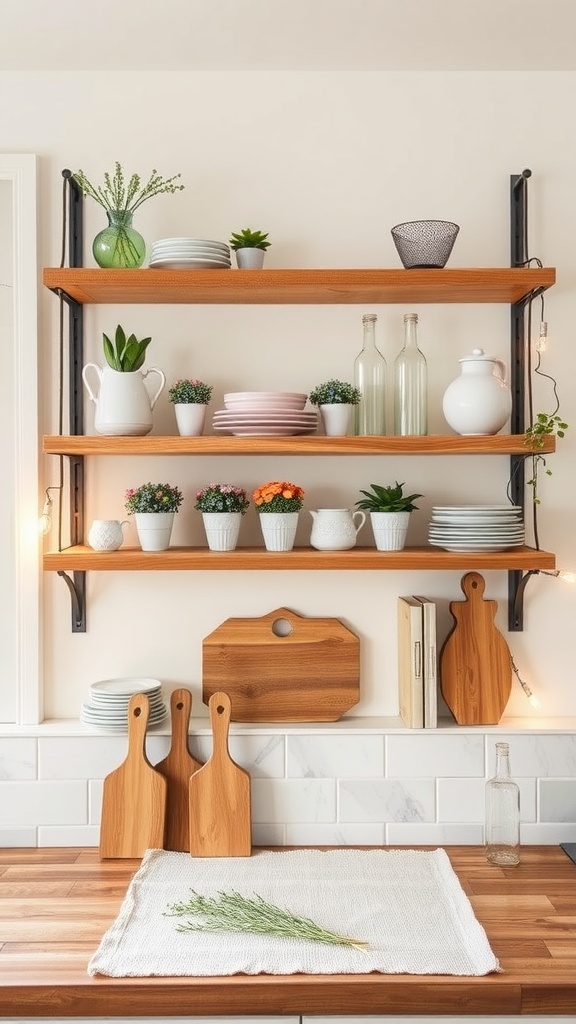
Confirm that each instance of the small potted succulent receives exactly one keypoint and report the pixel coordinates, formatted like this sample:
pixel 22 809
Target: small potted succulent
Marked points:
pixel 123 403
pixel 250 247
pixel 222 507
pixel 190 398
pixel 389 510
pixel 335 399
pixel 153 507
pixel 278 504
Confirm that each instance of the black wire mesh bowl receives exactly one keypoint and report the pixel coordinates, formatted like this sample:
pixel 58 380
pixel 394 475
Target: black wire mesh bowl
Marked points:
pixel 424 243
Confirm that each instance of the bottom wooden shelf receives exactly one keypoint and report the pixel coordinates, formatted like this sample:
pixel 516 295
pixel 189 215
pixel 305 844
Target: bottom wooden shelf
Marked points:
pixel 83 558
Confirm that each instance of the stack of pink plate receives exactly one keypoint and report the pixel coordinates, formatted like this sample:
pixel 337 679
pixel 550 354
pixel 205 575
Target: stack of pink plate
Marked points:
pixel 265 414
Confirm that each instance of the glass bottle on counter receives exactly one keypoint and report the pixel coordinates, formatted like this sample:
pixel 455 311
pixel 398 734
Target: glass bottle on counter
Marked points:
pixel 410 383
pixel 502 826
pixel 370 379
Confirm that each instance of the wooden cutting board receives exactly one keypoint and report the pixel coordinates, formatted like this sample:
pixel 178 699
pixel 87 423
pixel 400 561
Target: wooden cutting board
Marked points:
pixel 220 815
pixel 177 767
pixel 283 667
pixel 134 795
pixel 475 662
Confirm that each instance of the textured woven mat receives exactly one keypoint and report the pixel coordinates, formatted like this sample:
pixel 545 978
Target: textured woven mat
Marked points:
pixel 407 904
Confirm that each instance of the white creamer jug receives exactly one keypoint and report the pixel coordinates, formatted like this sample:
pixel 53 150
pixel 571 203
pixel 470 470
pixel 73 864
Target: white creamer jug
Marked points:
pixel 479 401
pixel 106 534
pixel 335 529
pixel 123 404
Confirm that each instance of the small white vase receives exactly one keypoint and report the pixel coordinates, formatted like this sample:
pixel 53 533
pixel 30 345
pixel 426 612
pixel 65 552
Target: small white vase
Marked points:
pixel 222 529
pixel 154 530
pixel 250 258
pixel 336 419
pixel 190 417
pixel 279 530
pixel 390 529
pixel 106 534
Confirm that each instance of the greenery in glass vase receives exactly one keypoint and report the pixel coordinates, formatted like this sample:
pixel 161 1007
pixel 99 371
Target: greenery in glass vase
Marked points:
pixel 153 498
pixel 190 391
pixel 222 498
pixel 117 194
pixel 335 392
pixel 278 496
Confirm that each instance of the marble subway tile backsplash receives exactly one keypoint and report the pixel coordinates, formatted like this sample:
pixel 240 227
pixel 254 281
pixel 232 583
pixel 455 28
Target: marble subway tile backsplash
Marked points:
pixel 325 786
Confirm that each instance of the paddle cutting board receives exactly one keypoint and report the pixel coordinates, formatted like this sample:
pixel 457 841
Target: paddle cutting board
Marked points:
pixel 220 816
pixel 177 767
pixel 475 662
pixel 283 667
pixel 134 795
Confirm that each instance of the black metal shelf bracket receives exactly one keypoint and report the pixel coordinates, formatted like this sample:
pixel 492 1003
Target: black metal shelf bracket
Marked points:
pixel 77 588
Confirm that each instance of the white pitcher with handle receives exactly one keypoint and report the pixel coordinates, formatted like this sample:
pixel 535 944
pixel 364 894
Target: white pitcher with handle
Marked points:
pixel 335 529
pixel 479 401
pixel 123 402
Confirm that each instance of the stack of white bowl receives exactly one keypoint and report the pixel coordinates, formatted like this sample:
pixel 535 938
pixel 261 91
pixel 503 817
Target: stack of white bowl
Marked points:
pixel 190 254
pixel 107 706
pixel 265 414
pixel 476 527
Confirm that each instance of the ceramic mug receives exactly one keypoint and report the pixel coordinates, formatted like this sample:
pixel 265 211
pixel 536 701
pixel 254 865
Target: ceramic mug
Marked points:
pixel 106 534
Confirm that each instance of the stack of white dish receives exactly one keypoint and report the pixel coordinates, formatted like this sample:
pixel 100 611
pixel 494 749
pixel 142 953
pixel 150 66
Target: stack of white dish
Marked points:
pixel 190 254
pixel 265 414
pixel 107 706
pixel 476 527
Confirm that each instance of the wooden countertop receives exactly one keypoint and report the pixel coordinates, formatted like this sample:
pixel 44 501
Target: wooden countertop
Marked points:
pixel 55 905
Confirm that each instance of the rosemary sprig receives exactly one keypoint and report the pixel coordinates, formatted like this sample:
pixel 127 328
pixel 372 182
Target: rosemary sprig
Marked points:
pixel 232 912
pixel 117 194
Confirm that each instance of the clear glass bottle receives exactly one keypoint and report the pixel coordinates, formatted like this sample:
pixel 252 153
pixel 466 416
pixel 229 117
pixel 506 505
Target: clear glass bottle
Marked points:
pixel 502 827
pixel 370 378
pixel 410 383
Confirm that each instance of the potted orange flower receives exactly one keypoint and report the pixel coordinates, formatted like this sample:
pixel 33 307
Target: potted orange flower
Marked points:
pixel 278 504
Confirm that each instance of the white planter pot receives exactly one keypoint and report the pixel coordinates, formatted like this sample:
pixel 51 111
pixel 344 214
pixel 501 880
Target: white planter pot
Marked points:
pixel 279 530
pixel 336 419
pixel 154 529
pixel 190 417
pixel 250 258
pixel 390 529
pixel 222 529
pixel 123 404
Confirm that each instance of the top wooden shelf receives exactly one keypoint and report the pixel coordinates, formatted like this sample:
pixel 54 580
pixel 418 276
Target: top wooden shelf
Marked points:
pixel 252 287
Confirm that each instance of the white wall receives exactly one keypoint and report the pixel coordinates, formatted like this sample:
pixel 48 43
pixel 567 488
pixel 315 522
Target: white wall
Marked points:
pixel 327 163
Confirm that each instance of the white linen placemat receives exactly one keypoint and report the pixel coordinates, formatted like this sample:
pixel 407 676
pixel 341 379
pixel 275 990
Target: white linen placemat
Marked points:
pixel 407 904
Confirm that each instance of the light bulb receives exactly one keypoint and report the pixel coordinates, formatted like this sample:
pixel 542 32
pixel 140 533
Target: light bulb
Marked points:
pixel 533 701
pixel 568 577
pixel 45 519
pixel 542 343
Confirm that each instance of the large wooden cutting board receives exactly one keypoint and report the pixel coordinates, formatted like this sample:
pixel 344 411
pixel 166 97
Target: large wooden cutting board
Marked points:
pixel 283 667
pixel 177 767
pixel 475 663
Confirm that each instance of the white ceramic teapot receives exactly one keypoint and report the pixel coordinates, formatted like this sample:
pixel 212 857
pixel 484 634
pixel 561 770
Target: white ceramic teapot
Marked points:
pixel 479 401
pixel 123 404
pixel 335 529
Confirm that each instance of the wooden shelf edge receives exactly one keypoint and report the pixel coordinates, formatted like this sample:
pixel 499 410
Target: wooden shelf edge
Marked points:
pixel 83 558
pixel 432 444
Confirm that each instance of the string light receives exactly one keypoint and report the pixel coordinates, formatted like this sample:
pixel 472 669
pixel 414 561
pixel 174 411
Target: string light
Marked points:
pixel 542 343
pixel 532 699
pixel 45 519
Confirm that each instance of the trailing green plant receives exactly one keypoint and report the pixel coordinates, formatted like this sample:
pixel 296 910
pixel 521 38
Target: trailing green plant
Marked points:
pixel 545 425
pixel 190 391
pixel 247 239
pixel 387 499
pixel 116 194
pixel 125 354
pixel 222 498
pixel 335 392
pixel 153 498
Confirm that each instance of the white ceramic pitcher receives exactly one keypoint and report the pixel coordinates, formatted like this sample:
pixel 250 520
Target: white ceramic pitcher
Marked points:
pixel 123 403
pixel 479 401
pixel 106 534
pixel 335 529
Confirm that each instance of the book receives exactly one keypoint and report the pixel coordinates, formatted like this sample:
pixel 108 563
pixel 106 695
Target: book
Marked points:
pixel 430 663
pixel 410 661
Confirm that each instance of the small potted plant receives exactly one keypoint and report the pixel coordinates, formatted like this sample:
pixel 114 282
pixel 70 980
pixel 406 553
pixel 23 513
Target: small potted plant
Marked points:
pixel 250 247
pixel 222 507
pixel 335 399
pixel 389 510
pixel 123 403
pixel 153 507
pixel 190 397
pixel 278 504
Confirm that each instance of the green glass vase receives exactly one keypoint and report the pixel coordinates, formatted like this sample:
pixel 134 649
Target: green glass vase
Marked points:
pixel 119 244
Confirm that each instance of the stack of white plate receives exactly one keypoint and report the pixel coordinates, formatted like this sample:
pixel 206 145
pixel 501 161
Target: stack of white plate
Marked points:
pixel 190 254
pixel 108 700
pixel 476 527
pixel 265 414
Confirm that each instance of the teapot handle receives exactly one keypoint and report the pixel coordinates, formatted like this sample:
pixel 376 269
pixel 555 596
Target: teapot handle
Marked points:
pixel 86 381
pixel 156 396
pixel 502 369
pixel 362 520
